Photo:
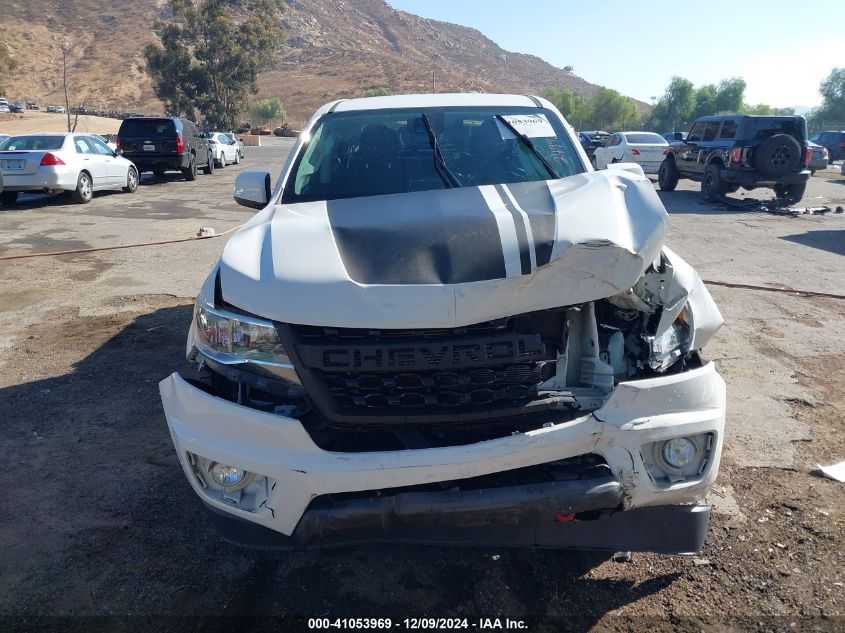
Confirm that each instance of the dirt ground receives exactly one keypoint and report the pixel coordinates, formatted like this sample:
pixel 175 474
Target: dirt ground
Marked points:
pixel 96 518
pixel 37 121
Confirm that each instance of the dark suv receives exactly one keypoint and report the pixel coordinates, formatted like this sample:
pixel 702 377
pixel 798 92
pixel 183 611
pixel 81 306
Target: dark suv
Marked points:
pixel 160 144
pixel 833 141
pixel 730 151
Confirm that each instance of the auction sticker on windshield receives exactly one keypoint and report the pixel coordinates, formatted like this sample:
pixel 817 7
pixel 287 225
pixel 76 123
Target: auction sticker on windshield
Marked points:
pixel 531 125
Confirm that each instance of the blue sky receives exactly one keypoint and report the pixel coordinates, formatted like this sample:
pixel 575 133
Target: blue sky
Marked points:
pixel 636 47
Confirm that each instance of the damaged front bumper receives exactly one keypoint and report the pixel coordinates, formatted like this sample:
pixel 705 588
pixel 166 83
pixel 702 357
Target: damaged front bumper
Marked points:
pixel 304 496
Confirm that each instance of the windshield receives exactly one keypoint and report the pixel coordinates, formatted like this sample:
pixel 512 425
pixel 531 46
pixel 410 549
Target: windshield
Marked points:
pixel 32 143
pixel 645 137
pixel 370 153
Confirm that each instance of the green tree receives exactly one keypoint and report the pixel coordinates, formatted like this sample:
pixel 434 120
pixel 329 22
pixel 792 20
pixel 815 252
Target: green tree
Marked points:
pixel 608 108
pixel 832 110
pixel 679 101
pixel 575 108
pixel 729 94
pixel 378 91
pixel 268 110
pixel 210 54
pixel 705 101
pixel 8 65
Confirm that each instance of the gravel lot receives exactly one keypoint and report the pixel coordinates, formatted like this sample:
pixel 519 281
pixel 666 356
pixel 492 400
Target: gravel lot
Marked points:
pixel 96 518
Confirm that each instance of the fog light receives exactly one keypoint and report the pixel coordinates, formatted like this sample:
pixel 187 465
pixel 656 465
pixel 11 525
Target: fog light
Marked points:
pixel 227 476
pixel 679 452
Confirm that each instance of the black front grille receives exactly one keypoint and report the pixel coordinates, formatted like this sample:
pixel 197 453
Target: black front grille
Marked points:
pixel 485 370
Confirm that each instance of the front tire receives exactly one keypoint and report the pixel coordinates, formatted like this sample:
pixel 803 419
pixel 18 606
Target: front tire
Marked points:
pixel 667 176
pixel 131 181
pixel 209 166
pixel 237 158
pixel 790 194
pixel 8 197
pixel 84 189
pixel 713 188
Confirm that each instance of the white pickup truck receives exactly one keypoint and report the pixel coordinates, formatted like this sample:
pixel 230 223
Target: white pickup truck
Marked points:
pixel 444 327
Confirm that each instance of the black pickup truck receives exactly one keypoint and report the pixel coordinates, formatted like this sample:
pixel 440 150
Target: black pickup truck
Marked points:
pixel 726 152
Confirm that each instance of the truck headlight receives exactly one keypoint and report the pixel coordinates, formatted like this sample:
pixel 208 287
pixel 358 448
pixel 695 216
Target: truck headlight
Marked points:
pixel 237 335
pixel 671 345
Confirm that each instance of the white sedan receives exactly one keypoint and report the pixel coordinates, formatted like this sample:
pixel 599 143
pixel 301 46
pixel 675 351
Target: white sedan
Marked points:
pixel 78 163
pixel 644 148
pixel 224 149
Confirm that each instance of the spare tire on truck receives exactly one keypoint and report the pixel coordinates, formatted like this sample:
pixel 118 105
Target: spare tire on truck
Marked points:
pixel 778 155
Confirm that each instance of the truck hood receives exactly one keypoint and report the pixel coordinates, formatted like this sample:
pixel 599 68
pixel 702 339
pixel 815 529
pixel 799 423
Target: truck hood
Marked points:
pixel 446 258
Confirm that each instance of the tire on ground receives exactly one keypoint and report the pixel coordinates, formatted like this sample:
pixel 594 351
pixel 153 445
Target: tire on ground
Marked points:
pixel 792 193
pixel 713 187
pixel 667 175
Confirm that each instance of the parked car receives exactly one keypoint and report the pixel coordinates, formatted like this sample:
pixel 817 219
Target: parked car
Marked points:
pixel 51 108
pixel 443 327
pixel 592 139
pixel 726 152
pixel 819 159
pixel 60 110
pixel 31 105
pixel 223 149
pixel 834 142
pixel 78 163
pixel 16 107
pixel 238 142
pixel 4 108
pixel 160 144
pixel 644 148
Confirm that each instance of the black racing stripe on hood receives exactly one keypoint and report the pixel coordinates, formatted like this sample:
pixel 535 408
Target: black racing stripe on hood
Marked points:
pixel 521 232
pixel 446 236
pixel 536 200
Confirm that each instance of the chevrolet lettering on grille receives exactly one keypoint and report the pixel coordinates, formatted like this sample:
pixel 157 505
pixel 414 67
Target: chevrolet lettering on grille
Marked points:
pixel 429 355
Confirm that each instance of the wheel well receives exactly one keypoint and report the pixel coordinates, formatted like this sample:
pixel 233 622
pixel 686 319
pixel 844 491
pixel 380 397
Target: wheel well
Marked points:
pixel 718 162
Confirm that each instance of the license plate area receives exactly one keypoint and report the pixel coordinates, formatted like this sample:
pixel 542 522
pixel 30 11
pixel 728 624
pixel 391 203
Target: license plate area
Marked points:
pixel 149 147
pixel 13 163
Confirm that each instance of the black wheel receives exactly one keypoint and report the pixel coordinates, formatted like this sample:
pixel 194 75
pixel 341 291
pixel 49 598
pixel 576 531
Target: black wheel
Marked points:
pixel 732 188
pixel 790 194
pixel 84 189
pixel 713 188
pixel 222 160
pixel 190 172
pixel 8 197
pixel 131 181
pixel 778 155
pixel 209 166
pixel 812 172
pixel 667 175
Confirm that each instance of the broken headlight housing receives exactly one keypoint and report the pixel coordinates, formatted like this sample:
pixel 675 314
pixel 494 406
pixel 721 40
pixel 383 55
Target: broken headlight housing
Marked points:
pixel 231 337
pixel 672 344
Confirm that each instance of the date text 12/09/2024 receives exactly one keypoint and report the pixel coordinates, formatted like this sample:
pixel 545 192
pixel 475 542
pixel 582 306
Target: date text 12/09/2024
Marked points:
pixel 414 624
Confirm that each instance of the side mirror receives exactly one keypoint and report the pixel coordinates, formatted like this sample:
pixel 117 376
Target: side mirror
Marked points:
pixel 252 189
pixel 118 152
pixel 679 136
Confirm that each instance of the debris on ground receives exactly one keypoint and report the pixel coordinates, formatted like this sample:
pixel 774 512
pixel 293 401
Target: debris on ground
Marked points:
pixel 775 206
pixel 205 231
pixel 834 471
pixel 286 130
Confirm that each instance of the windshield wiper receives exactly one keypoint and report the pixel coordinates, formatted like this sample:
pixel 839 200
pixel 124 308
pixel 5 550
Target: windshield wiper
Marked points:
pixel 449 179
pixel 527 142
